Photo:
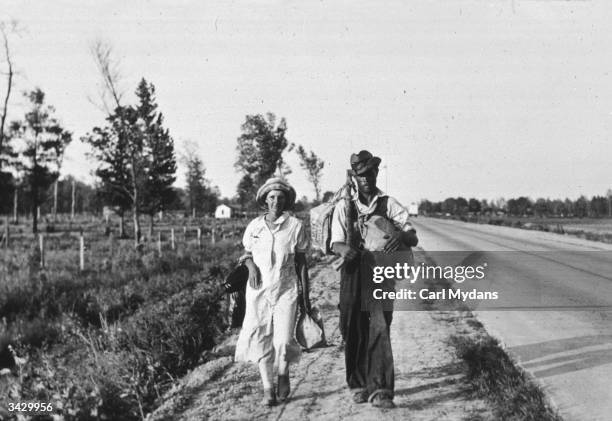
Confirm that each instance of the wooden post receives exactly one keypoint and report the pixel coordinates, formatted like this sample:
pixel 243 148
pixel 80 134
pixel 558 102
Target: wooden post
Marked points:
pixel 193 214
pixel 73 200
pixel 41 245
pixel 199 238
pixel 212 236
pixel 82 252
pixel 161 215
pixel 38 212
pixel 55 201
pixel 15 202
pixel 6 233
pixel 172 244
pixel 159 245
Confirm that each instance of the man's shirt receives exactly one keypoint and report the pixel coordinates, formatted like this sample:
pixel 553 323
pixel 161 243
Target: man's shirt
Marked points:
pixel 395 212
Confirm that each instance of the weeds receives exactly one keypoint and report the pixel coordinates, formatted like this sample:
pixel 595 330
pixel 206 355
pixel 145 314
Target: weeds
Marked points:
pixel 496 378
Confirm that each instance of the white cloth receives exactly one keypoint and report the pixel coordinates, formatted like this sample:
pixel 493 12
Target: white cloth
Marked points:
pixel 395 212
pixel 269 323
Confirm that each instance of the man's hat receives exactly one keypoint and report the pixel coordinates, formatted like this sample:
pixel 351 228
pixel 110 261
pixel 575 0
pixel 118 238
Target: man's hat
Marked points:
pixel 362 162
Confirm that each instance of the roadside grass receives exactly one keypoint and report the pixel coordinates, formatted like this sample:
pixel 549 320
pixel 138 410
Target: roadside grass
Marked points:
pixel 495 377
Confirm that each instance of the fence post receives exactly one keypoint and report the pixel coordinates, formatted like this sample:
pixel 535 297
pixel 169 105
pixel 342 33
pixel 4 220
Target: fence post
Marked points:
pixel 72 200
pixel 172 244
pixel 15 208
pixel 6 233
pixel 41 244
pixel 159 245
pixel 82 252
pixel 212 236
pixel 199 238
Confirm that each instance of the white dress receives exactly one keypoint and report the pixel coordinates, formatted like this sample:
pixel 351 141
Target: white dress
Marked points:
pixel 269 322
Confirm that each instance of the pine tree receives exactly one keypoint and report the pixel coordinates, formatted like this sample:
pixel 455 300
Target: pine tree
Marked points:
pixel 44 141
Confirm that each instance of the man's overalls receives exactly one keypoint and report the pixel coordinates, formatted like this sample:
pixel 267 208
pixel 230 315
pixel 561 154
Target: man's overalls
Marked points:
pixel 368 356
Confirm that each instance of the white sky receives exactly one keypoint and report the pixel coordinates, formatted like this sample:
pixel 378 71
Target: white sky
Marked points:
pixel 474 98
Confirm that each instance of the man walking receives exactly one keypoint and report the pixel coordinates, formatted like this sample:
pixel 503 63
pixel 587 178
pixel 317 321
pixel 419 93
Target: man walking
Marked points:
pixel 368 356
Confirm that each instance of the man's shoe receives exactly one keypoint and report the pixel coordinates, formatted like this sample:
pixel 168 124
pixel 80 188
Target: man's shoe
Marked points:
pixel 284 388
pixel 380 399
pixel 360 395
pixel 269 397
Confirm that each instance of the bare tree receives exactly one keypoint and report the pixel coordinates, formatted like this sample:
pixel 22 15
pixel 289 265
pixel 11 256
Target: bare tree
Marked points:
pixel 313 165
pixel 5 29
pixel 110 73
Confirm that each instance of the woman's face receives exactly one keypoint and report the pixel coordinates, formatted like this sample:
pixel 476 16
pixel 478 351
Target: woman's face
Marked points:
pixel 276 202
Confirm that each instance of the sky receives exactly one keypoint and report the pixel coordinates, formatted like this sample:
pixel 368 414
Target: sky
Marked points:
pixel 476 98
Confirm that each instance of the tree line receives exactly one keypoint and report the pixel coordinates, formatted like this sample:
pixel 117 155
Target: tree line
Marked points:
pixel 597 206
pixel 132 152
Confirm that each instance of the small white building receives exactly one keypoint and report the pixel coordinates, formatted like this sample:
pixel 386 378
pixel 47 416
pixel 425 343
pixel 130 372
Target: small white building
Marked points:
pixel 223 211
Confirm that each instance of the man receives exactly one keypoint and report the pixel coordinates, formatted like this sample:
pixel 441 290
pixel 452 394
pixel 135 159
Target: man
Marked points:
pixel 368 356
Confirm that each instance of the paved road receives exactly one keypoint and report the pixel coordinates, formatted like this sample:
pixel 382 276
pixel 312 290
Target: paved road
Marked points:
pixel 567 346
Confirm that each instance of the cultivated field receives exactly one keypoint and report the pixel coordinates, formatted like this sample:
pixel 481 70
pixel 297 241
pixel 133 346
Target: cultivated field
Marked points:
pixel 101 331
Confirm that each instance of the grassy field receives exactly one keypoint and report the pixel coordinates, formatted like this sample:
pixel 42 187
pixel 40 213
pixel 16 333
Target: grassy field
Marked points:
pixel 105 342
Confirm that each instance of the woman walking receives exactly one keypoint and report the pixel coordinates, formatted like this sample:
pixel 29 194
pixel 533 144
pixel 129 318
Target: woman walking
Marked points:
pixel 275 245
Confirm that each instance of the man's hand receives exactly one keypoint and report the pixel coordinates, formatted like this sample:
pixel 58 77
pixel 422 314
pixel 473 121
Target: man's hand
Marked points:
pixel 254 278
pixel 408 238
pixel 345 251
pixel 393 243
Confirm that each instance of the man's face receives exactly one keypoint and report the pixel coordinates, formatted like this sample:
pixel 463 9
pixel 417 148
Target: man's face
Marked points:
pixel 366 182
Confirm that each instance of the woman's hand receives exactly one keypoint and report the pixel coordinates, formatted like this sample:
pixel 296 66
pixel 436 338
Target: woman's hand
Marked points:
pixel 254 278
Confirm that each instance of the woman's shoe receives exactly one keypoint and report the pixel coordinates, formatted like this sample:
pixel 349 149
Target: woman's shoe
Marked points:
pixel 269 398
pixel 284 388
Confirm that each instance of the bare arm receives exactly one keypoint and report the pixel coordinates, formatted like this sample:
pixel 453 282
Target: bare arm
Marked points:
pixel 301 267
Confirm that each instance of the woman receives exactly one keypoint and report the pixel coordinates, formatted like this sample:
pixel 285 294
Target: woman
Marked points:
pixel 275 245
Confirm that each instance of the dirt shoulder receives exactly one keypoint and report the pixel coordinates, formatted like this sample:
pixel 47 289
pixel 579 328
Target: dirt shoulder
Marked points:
pixel 430 381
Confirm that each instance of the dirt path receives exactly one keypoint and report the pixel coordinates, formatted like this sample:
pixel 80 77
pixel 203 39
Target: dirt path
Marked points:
pixel 429 380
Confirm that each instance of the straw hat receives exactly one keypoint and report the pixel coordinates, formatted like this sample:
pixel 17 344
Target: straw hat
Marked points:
pixel 276 183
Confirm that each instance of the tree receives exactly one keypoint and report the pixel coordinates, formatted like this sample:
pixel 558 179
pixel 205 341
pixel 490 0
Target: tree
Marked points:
pixel 246 192
pixel 7 181
pixel 158 153
pixel 540 207
pixel 44 140
pixel 135 155
pixel 461 205
pixel 9 72
pixel 199 195
pixel 260 148
pixel 313 165
pixel 109 69
pixel 118 149
pixel 474 205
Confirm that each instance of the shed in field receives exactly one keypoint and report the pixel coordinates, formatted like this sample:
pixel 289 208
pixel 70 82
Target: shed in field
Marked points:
pixel 224 211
